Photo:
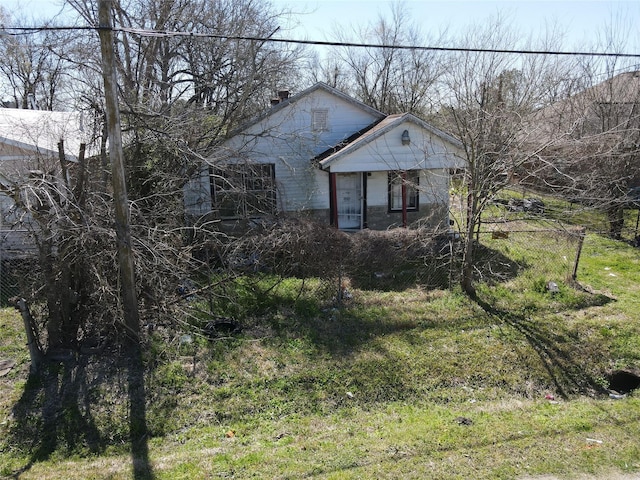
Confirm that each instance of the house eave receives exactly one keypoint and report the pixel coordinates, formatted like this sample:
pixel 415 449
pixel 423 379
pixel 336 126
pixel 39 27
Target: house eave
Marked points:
pixel 371 134
pixel 33 151
pixel 36 150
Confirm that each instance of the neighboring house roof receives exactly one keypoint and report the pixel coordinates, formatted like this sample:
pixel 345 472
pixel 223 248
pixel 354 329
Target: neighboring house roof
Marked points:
pixel 623 88
pixel 375 131
pixel 594 132
pixel 582 114
pixel 38 132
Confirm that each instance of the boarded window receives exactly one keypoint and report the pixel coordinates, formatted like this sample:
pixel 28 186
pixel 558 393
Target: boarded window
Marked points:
pixel 319 120
pixel 410 179
pixel 243 190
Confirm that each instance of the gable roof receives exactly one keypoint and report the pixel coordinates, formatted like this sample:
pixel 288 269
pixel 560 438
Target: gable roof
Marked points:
pixel 299 96
pixel 376 130
pixel 623 88
pixel 564 119
pixel 40 131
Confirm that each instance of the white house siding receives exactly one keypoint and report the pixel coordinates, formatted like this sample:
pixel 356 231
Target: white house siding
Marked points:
pixel 433 189
pixel 426 151
pixel 285 138
pixel 16 162
pixel 15 231
pixel 17 226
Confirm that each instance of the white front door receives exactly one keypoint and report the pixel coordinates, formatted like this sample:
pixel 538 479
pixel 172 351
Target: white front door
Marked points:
pixel 349 199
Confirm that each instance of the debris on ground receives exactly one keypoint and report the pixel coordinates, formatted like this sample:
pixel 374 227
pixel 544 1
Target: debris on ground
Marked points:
pixel 464 421
pixel 5 366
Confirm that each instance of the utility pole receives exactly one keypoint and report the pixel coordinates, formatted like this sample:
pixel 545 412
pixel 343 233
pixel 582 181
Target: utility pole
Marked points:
pixel 123 227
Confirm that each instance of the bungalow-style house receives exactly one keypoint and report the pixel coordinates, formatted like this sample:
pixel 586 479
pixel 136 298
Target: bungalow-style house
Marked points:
pixel 325 155
pixel 29 151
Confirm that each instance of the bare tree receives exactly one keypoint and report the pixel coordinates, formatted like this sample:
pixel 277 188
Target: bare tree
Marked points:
pixel 182 94
pixel 594 158
pixel 592 152
pixel 233 78
pixel 179 96
pixel 33 66
pixel 180 75
pixel 390 79
pixel 51 203
pixel 488 100
pixel 329 69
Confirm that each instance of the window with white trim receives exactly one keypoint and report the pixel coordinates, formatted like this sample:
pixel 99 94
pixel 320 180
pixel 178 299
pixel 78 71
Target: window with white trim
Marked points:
pixel 411 179
pixel 243 190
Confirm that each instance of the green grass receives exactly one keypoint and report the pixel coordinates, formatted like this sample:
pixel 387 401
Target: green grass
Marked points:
pixel 560 210
pixel 611 266
pixel 393 384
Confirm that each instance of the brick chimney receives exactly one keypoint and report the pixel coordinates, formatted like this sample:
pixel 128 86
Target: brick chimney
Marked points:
pixel 283 94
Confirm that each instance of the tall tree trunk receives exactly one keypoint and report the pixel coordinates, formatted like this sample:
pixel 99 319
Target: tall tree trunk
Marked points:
pixel 466 282
pixel 35 350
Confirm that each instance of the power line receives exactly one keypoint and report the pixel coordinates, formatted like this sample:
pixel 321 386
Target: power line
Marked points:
pixel 13 31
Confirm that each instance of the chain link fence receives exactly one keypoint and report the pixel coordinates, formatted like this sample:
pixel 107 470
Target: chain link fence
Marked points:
pixel 528 252
pixel 16 259
pixel 297 264
pixel 329 265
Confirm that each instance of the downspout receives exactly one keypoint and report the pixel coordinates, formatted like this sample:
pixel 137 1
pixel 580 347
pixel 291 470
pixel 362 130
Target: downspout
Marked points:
pixel 333 200
pixel 404 199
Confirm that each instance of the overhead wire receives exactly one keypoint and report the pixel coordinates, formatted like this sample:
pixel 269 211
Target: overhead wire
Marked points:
pixel 13 31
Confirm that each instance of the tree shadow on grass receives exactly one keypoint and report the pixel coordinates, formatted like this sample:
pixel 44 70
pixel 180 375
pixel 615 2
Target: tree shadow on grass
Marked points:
pixel 437 268
pixel 138 433
pixel 56 412
pixel 559 351
pixel 55 415
pixel 346 333
pixel 491 265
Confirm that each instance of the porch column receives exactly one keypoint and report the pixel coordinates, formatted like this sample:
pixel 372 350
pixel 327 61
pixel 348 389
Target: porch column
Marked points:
pixel 333 199
pixel 404 199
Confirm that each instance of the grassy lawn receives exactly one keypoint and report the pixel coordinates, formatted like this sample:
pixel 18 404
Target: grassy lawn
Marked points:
pixel 559 209
pixel 395 384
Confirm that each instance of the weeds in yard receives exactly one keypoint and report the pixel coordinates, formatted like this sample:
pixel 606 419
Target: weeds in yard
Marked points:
pixel 413 383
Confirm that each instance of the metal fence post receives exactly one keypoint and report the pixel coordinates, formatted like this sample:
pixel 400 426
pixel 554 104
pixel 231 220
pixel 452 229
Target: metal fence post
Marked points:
pixel 581 236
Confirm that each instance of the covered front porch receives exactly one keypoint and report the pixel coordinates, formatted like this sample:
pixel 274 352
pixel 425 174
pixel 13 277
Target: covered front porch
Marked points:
pixel 378 200
pixel 392 175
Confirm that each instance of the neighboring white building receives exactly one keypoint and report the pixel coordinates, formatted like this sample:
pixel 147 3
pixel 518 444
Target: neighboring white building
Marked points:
pixel 29 150
pixel 29 140
pixel 326 155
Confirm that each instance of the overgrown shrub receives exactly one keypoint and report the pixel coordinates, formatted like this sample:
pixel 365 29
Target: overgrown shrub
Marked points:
pixel 370 259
